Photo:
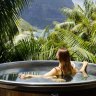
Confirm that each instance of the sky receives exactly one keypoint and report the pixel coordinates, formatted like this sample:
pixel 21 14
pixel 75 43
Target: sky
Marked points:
pixel 80 2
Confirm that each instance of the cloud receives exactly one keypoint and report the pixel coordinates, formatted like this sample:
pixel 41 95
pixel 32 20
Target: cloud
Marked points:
pixel 79 2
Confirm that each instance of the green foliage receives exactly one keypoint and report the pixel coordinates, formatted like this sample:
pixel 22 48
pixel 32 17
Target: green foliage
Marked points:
pixel 81 37
pixel 9 10
pixel 26 49
pixel 77 33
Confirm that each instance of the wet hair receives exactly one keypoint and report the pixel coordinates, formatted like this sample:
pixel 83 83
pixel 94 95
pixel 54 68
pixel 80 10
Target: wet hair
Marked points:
pixel 64 58
pixel 63 54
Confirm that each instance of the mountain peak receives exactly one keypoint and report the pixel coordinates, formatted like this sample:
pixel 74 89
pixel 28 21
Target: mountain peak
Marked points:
pixel 41 13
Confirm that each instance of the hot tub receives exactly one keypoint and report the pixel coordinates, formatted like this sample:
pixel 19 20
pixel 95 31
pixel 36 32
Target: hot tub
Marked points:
pixel 12 85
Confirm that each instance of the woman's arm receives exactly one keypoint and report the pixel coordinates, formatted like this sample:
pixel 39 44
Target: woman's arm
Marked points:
pixel 50 74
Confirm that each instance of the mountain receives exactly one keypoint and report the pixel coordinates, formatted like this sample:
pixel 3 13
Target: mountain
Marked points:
pixel 41 13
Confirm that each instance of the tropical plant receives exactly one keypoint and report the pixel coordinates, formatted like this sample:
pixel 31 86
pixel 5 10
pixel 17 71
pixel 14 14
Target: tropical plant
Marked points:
pixel 79 30
pixel 78 34
pixel 9 10
pixel 75 34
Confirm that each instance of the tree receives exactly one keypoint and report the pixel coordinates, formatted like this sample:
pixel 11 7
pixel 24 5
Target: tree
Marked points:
pixel 79 30
pixel 9 10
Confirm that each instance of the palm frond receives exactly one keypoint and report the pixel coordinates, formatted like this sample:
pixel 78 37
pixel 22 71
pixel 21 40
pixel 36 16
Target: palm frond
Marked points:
pixel 46 52
pixel 88 4
pixel 74 41
pixel 9 10
pixel 83 54
pixel 26 49
pixel 65 25
pixel 45 32
pixel 93 37
pixel 80 9
pixel 66 11
pixel 77 27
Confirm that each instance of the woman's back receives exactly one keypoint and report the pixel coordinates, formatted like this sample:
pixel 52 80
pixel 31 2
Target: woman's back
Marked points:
pixel 61 72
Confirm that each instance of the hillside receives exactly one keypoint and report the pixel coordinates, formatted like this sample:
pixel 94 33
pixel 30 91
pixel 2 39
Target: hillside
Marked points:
pixel 41 13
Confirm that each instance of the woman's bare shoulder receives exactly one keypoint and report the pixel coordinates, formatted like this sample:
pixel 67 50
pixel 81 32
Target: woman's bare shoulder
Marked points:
pixel 73 64
pixel 75 70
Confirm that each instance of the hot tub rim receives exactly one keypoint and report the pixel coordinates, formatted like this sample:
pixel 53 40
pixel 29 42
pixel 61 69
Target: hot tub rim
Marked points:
pixel 15 84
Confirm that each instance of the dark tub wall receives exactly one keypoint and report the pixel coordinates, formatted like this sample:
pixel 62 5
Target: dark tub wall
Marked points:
pixel 5 92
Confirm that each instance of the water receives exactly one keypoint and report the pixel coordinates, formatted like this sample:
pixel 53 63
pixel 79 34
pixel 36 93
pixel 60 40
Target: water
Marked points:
pixel 9 77
pixel 15 77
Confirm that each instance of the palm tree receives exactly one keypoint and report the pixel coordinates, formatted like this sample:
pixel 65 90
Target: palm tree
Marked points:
pixel 83 18
pixel 78 34
pixel 31 48
pixel 9 10
pixel 79 31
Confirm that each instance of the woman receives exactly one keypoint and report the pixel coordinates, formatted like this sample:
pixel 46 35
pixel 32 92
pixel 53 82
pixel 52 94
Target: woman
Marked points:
pixel 65 67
